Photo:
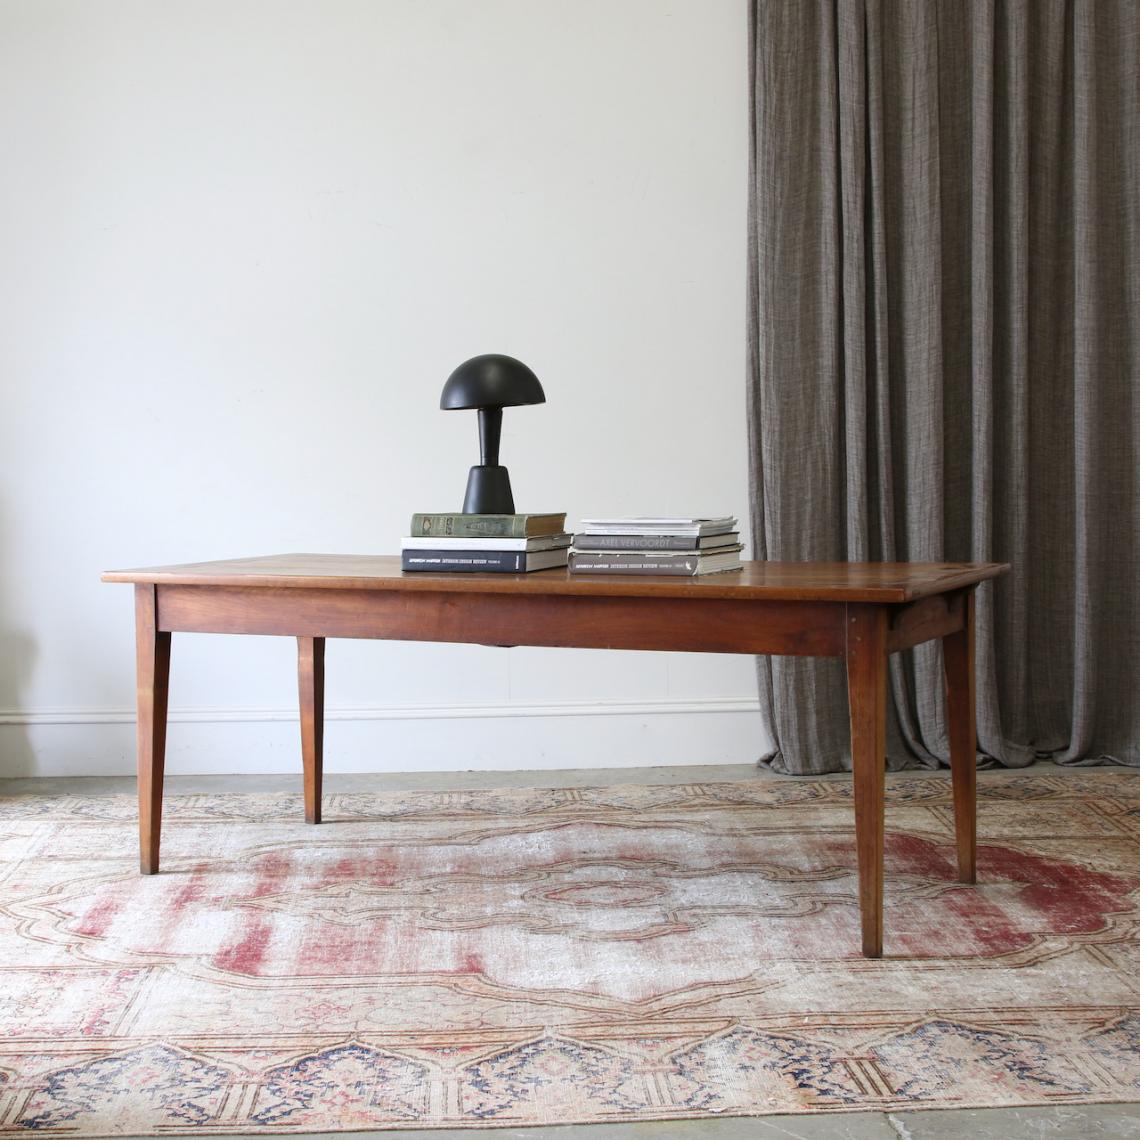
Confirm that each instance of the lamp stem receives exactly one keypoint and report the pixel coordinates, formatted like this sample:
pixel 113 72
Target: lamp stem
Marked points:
pixel 490 431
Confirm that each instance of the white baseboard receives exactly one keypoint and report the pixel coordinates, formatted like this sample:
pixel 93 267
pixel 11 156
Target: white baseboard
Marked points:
pixel 100 742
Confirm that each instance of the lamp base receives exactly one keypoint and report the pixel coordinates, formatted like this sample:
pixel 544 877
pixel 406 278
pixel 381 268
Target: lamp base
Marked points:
pixel 488 492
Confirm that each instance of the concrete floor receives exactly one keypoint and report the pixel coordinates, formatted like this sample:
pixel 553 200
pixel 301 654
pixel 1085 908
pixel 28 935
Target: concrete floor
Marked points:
pixel 1065 1122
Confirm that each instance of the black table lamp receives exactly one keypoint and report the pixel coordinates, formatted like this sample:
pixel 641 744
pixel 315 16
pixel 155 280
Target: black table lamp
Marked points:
pixel 490 383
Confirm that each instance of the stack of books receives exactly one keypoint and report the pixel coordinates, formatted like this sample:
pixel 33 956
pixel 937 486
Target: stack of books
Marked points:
pixel 656 546
pixel 506 543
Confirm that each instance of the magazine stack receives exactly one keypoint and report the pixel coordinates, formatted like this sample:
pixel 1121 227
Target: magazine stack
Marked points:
pixel 644 545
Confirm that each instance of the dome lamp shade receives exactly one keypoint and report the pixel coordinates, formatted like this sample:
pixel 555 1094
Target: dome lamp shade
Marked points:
pixel 489 384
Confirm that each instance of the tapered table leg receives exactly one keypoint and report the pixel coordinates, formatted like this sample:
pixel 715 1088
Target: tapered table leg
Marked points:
pixel 958 657
pixel 311 683
pixel 867 696
pixel 152 649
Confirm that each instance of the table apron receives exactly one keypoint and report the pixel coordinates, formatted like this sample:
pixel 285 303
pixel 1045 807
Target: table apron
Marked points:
pixel 703 625
pixel 926 619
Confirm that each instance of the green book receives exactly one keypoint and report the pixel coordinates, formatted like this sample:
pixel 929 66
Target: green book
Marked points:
pixel 486 526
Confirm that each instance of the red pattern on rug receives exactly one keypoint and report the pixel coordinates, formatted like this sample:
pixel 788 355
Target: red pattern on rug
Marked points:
pixel 558 955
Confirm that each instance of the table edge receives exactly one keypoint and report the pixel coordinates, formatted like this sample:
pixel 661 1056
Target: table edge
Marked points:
pixel 557 582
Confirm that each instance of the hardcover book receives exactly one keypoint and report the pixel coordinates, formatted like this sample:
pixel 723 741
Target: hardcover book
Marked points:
pixel 466 542
pixel 586 541
pixel 608 562
pixel 480 561
pixel 487 526
pixel 638 524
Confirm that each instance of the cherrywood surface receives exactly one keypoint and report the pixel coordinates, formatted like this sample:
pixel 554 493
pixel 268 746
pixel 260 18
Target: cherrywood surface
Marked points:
pixel 958 661
pixel 152 651
pixel 790 581
pixel 867 697
pixel 695 623
pixel 925 619
pixel 862 612
pixel 311 687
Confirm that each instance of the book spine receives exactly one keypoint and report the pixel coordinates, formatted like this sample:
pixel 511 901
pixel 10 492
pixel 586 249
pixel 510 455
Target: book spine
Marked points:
pixel 470 526
pixel 590 563
pixel 470 543
pixel 473 560
pixel 635 542
pixel 464 543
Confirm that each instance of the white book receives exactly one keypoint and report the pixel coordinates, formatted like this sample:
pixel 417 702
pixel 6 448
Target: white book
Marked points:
pixel 451 542
pixel 635 562
pixel 651 524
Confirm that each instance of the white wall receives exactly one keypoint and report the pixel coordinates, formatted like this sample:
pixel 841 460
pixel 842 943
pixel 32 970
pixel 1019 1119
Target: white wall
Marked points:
pixel 242 245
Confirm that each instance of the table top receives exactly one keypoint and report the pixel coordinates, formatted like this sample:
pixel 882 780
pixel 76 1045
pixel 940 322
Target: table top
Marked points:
pixel 756 581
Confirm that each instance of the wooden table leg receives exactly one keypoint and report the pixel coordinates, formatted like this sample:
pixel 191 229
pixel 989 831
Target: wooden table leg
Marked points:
pixel 867 696
pixel 958 657
pixel 311 683
pixel 152 648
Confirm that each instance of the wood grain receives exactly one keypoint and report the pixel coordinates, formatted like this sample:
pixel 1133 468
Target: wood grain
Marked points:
pixel 311 686
pixel 861 612
pixel 694 624
pixel 958 660
pixel 916 622
pixel 787 581
pixel 152 653
pixel 867 696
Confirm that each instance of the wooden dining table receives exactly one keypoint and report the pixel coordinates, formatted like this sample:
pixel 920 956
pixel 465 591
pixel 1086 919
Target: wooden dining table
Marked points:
pixel 859 612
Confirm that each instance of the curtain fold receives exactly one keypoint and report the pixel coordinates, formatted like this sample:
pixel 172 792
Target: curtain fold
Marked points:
pixel 944 341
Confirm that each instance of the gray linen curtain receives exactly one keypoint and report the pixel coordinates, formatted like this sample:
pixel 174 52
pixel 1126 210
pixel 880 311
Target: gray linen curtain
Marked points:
pixel 944 323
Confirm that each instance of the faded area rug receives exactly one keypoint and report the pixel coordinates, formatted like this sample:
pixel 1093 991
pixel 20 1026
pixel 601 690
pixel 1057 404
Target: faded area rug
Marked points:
pixel 553 956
